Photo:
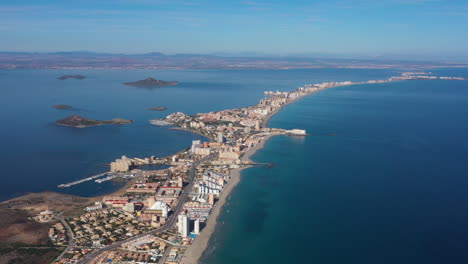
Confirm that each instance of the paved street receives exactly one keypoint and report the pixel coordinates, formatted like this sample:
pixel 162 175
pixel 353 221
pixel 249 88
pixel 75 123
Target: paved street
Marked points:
pixel 169 224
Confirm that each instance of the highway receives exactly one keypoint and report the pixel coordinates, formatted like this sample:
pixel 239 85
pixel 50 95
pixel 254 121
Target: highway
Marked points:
pixel 170 221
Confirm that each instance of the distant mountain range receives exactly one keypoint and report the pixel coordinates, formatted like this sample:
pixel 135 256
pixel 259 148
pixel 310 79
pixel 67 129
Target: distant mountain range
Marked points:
pixel 158 60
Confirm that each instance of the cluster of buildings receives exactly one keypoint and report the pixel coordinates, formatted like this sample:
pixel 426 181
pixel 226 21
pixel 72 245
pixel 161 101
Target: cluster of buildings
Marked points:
pixel 125 164
pixel 155 216
pixel 125 256
pixel 99 228
pixel 175 255
pixel 58 234
pixel 150 202
pixel 211 183
pixel 232 132
pixel 45 216
pixel 207 188
pixel 73 255
pixel 154 201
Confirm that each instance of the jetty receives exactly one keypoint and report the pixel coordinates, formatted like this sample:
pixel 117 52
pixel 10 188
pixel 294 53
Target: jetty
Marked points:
pixel 66 185
pixel 160 122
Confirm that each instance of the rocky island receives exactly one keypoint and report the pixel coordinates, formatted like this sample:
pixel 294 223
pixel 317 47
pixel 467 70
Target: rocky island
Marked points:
pixel 159 108
pixel 62 106
pixel 80 122
pixel 77 77
pixel 150 82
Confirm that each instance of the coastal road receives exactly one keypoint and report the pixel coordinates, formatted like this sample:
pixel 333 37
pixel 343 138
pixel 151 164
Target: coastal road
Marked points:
pixel 170 222
pixel 71 237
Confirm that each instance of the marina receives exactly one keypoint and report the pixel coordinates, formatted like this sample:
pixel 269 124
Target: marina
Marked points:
pixel 108 178
pixel 113 176
pixel 66 185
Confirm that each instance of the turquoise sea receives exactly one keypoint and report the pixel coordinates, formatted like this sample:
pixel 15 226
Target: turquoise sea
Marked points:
pixel 390 187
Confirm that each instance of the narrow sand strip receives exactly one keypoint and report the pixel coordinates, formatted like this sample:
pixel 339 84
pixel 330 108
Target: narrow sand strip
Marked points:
pixel 194 252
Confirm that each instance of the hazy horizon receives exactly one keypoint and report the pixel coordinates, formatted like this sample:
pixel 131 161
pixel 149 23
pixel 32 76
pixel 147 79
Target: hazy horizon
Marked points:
pixel 419 29
pixel 247 54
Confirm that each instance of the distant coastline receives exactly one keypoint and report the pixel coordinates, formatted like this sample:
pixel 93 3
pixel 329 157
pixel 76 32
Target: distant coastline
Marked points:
pixel 156 60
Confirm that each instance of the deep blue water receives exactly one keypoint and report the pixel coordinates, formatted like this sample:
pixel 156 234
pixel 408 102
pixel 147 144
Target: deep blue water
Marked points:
pixel 37 155
pixel 390 187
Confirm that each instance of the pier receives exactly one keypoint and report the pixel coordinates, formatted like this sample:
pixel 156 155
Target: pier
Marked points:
pixel 108 178
pixel 66 185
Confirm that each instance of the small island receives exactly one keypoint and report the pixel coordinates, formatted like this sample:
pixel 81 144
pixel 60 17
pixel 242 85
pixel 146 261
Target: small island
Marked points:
pixel 159 108
pixel 150 82
pixel 62 106
pixel 77 77
pixel 81 122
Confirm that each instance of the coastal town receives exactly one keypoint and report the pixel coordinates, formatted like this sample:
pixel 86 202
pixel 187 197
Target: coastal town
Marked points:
pixel 167 215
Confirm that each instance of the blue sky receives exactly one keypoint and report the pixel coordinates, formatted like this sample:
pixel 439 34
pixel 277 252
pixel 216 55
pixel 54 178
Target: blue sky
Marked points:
pixel 363 27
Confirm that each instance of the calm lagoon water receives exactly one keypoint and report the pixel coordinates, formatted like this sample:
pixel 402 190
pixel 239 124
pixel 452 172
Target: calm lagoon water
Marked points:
pixel 37 155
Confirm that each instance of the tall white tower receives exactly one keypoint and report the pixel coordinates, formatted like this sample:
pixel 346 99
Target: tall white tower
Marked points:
pixel 195 143
pixel 220 137
pixel 196 228
pixel 183 225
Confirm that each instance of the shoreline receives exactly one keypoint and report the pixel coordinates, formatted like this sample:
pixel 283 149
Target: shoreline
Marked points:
pixel 262 124
pixel 199 246
pixel 189 130
pixel 195 251
pixel 92 199
pixel 269 116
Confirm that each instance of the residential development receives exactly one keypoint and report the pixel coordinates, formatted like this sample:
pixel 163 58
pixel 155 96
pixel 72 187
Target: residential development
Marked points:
pixel 162 212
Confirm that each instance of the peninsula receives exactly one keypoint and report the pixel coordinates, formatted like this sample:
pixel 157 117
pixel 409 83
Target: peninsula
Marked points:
pixel 150 82
pixel 80 122
pixel 77 77
pixel 168 215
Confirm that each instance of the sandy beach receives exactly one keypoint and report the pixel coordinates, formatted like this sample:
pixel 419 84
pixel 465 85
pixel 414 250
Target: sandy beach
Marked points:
pixel 268 117
pixel 195 251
